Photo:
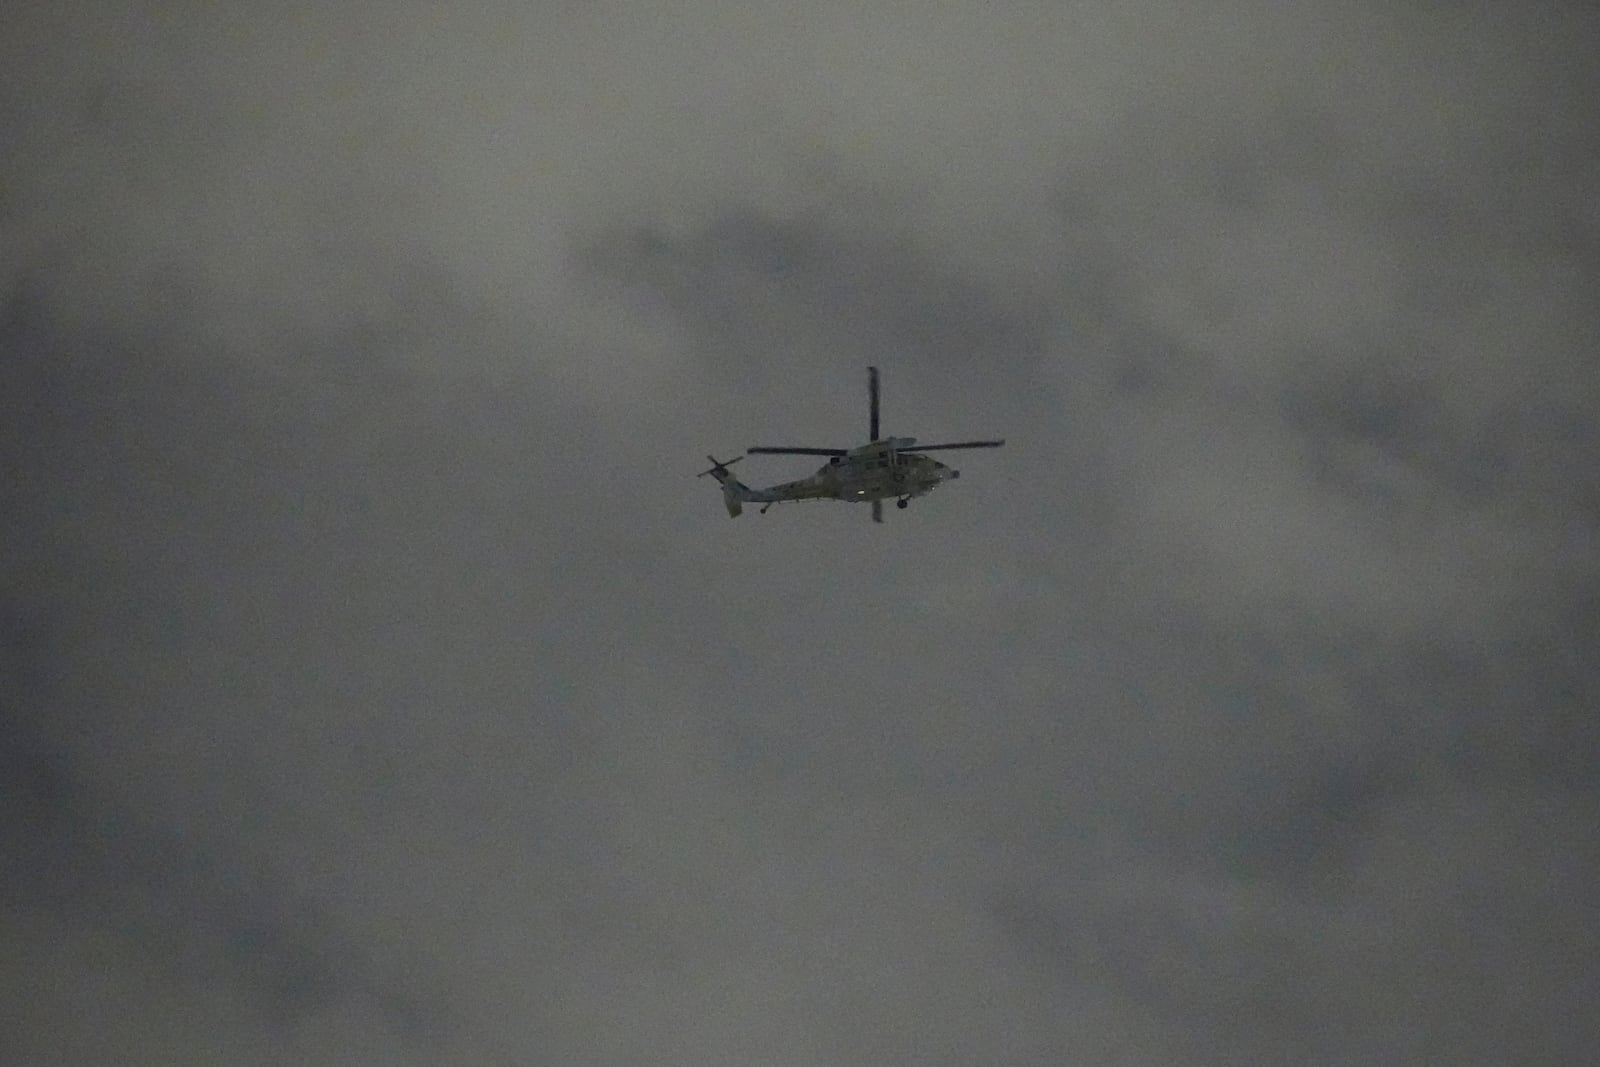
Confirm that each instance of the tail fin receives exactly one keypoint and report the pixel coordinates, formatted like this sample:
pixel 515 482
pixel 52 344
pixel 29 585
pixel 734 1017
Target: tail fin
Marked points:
pixel 734 492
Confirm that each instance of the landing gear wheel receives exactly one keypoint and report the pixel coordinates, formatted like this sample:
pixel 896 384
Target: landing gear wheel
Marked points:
pixel 902 503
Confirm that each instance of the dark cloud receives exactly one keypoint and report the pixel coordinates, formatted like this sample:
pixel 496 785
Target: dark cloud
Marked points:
pixel 762 282
pixel 380 686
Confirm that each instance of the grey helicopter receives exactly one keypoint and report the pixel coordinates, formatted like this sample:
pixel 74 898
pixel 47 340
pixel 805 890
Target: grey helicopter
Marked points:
pixel 881 469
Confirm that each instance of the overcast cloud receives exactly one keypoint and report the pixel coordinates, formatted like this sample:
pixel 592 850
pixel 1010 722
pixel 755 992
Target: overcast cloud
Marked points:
pixel 380 686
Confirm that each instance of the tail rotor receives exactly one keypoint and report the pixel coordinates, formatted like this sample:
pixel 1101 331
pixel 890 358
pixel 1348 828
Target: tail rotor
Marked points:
pixel 718 467
pixel 734 492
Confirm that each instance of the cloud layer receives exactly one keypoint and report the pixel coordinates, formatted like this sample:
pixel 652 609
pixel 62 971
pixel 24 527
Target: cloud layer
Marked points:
pixel 379 686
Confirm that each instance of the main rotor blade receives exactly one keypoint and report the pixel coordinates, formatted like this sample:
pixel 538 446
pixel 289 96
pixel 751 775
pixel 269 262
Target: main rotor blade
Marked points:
pixel 800 451
pixel 872 396
pixel 958 444
pixel 877 511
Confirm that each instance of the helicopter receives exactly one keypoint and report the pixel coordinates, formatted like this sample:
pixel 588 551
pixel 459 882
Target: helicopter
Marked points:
pixel 882 468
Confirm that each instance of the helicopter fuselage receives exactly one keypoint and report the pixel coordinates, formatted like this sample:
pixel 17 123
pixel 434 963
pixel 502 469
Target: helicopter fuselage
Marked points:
pixel 876 471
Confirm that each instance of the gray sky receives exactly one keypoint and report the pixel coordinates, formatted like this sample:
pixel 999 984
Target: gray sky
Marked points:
pixel 379 686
